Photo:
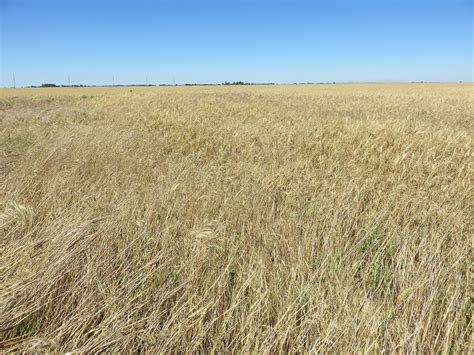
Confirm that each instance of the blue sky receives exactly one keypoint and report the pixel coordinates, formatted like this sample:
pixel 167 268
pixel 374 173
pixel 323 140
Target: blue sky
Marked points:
pixel 215 41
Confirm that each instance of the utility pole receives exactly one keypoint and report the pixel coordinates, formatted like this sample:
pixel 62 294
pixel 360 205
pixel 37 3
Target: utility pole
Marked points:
pixel 69 80
pixel 14 83
pixel 113 80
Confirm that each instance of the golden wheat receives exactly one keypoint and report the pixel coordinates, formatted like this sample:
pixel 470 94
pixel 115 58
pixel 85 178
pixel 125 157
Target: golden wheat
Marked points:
pixel 237 219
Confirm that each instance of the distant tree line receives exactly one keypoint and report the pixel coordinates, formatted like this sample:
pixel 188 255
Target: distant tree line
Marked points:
pixel 52 85
pixel 243 83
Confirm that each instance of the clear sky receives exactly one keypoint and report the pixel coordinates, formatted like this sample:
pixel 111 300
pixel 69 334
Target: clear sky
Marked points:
pixel 95 42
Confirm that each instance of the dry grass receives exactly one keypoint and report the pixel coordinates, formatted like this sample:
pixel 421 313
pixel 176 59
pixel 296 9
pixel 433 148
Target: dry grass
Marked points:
pixel 242 219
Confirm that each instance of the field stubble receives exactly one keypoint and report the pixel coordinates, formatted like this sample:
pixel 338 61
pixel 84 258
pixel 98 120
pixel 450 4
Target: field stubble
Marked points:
pixel 280 218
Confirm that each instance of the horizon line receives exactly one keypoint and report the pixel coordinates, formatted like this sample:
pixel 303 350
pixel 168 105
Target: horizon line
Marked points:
pixel 239 83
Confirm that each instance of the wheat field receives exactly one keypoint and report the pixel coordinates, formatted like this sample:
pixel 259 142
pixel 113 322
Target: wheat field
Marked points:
pixel 274 219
